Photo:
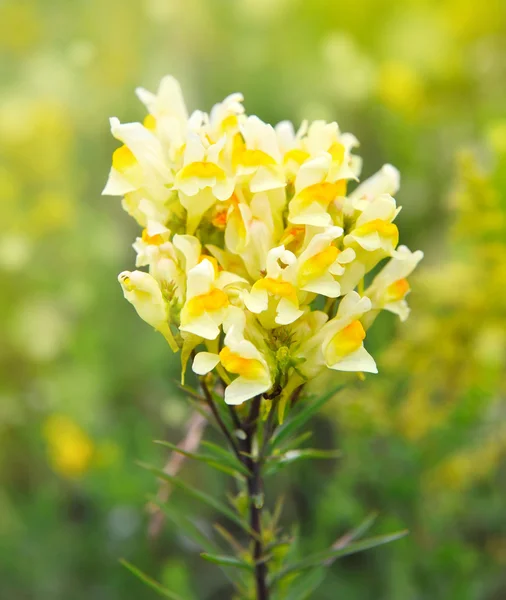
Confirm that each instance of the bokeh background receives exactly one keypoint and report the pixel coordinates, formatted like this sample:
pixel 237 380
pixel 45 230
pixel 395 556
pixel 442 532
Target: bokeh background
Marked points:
pixel 85 386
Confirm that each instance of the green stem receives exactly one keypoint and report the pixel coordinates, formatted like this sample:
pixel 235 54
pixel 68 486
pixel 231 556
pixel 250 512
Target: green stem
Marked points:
pixel 256 501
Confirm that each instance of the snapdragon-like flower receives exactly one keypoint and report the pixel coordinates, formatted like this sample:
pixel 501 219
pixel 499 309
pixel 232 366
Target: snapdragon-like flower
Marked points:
pixel 257 242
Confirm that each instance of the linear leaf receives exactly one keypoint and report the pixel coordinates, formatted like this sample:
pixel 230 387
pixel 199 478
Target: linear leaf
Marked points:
pixel 192 531
pixel 296 442
pixel 154 585
pixel 304 585
pixel 292 424
pixel 277 462
pixel 327 555
pixel 205 458
pixel 227 561
pixel 225 456
pixel 356 532
pixel 186 525
pixel 199 495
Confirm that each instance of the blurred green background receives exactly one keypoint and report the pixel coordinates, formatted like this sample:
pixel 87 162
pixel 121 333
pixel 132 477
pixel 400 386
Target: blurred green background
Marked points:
pixel 85 386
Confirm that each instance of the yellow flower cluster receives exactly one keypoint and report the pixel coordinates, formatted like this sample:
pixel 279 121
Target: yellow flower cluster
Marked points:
pixel 250 230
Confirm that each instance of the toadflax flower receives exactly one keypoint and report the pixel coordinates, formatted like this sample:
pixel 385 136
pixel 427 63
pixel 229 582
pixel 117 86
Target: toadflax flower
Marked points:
pixel 257 242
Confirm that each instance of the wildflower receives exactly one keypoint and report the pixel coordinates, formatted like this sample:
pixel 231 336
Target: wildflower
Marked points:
pixel 251 231
pixel 144 293
pixel 254 245
pixel 207 300
pixel 240 357
pixel 276 293
pixel 390 287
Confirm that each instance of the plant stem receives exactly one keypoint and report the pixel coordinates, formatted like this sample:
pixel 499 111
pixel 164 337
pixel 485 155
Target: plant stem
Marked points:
pixel 256 501
pixel 210 402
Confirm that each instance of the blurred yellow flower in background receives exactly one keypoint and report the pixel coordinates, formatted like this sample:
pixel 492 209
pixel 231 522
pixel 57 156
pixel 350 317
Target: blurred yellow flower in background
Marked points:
pixel 69 449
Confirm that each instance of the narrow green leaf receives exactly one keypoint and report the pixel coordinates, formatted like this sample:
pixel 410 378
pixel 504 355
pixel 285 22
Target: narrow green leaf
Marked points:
pixel 328 555
pixel 298 420
pixel 225 456
pixel 199 495
pixel 296 442
pixel 182 522
pixel 357 532
pixel 229 538
pixel 277 462
pixel 208 460
pixel 308 581
pixel 304 585
pixel 227 561
pixel 154 585
pixel 186 525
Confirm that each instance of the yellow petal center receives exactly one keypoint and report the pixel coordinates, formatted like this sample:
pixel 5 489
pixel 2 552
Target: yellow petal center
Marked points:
pixel 299 156
pixel 203 170
pixel 150 122
pixel 212 301
pixel 318 265
pixel 383 228
pixel 337 151
pixel 154 240
pixel 230 122
pixel 397 290
pixel 349 339
pixel 251 368
pixel 322 193
pixel 123 159
pixel 249 158
pixel 277 287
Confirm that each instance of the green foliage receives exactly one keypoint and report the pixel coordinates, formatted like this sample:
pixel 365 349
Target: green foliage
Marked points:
pixel 150 582
pixel 203 497
pixel 232 467
pixel 299 418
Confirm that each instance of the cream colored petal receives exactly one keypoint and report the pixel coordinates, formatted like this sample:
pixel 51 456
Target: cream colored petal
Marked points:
pixel 117 184
pixel 358 361
pixel 200 279
pixel 203 326
pixel 195 207
pixel 190 247
pixel 144 146
pixel 399 267
pixel 266 179
pixel 399 308
pixel 226 278
pixel 385 181
pixel 383 207
pixel 168 101
pixel 326 286
pixel 313 215
pixel 313 171
pixel 287 312
pixel 224 189
pixel 370 241
pixel 194 150
pixel 242 389
pixel 257 300
pixel 347 256
pixel 204 362
pixel 353 306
